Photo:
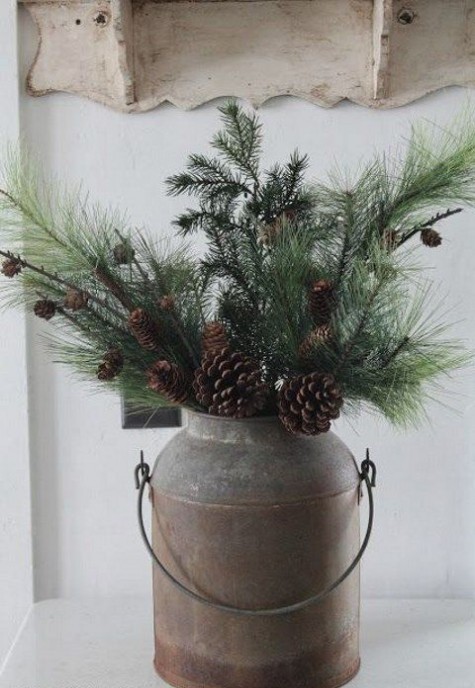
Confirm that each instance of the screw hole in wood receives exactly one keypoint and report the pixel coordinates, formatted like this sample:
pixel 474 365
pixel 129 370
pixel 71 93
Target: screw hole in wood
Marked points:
pixel 101 19
pixel 406 16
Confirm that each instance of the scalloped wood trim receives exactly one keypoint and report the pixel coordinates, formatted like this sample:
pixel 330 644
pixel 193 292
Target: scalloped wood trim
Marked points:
pixel 133 55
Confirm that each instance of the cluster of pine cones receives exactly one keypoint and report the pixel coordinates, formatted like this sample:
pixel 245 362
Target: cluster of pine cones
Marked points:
pixel 229 383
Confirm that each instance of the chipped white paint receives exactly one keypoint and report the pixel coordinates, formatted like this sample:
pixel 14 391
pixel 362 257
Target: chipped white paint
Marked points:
pixel 135 54
pixel 382 23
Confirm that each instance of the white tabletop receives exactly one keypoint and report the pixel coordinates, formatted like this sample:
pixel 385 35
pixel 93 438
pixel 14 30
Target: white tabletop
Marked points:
pixel 109 644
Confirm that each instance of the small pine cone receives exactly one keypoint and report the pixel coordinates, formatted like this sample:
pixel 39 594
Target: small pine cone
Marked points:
pixel 390 239
pixel 75 300
pixel 214 337
pixel 144 329
pixel 114 358
pixel 270 231
pixel 323 334
pixel 11 267
pixel 308 403
pixel 123 253
pixel 168 380
pixel 167 303
pixel 45 309
pixel 321 301
pixel 230 384
pixel 431 238
pixel 105 373
pixel 111 365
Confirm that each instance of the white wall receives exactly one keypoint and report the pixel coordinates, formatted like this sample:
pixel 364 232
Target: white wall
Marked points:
pixel 15 532
pixel 85 536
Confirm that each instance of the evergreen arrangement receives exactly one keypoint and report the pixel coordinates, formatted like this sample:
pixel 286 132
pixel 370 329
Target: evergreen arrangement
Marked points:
pixel 308 299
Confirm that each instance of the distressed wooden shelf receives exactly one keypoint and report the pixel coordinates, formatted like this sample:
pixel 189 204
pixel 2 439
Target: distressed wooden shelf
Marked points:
pixel 133 55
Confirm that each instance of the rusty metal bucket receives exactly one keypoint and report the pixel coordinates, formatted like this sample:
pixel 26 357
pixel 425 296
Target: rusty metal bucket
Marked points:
pixel 252 529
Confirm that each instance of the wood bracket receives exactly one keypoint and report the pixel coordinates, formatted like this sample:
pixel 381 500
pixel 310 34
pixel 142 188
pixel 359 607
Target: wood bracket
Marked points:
pixel 133 55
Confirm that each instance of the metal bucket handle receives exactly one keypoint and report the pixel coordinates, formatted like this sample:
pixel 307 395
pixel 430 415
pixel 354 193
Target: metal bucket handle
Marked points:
pixel 367 475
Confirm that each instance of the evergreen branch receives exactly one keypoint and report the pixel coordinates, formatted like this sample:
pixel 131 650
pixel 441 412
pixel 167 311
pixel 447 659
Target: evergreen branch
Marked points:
pixel 114 287
pixel 9 197
pixel 347 246
pixel 18 205
pixel 206 176
pixel 363 321
pixel 400 347
pixel 268 236
pixel 438 217
pixel 240 141
pixel 59 280
pixel 74 321
pixel 137 264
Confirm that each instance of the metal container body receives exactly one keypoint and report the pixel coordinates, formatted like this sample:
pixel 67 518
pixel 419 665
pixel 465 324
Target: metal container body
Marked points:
pixel 249 516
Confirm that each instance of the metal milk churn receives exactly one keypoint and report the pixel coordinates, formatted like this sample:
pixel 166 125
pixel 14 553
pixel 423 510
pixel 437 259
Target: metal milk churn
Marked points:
pixel 250 522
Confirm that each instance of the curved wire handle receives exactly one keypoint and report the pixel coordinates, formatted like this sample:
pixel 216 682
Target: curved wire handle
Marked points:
pixel 367 475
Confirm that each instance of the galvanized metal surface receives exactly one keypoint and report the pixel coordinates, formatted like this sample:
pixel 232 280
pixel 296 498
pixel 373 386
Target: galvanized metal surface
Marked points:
pixel 251 517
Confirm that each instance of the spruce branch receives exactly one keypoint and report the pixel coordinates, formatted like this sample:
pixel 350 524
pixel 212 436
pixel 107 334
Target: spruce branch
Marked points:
pixel 240 141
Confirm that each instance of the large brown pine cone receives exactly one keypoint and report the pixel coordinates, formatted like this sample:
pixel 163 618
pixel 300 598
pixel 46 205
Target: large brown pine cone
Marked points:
pixel 11 267
pixel 144 329
pixel 75 299
pixel 431 238
pixel 168 380
pixel 45 309
pixel 214 337
pixel 308 403
pixel 230 384
pixel 321 301
pixel 111 365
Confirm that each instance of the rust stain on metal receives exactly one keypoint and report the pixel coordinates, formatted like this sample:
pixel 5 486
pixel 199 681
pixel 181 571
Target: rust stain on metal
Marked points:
pixel 267 555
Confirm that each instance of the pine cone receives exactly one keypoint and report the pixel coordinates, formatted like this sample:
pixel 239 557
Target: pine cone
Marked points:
pixel 323 334
pixel 270 231
pixel 111 365
pixel 11 267
pixel 230 384
pixel 431 238
pixel 321 301
pixel 167 303
pixel 75 299
pixel 168 380
pixel 123 253
pixel 214 337
pixel 390 239
pixel 144 329
pixel 308 403
pixel 45 309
